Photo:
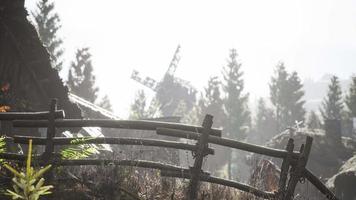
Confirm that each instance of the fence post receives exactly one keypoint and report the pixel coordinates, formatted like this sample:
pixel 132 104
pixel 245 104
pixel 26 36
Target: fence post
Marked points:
pixel 299 168
pixel 51 132
pixel 285 169
pixel 196 170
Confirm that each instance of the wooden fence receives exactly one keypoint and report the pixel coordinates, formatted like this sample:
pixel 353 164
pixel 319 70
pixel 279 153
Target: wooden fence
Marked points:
pixel 293 167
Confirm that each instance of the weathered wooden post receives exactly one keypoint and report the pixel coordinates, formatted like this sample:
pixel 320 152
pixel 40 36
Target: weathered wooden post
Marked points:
pixel 285 169
pixel 196 170
pixel 51 132
pixel 299 168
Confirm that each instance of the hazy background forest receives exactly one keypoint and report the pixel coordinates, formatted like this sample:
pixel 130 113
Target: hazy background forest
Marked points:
pixel 258 67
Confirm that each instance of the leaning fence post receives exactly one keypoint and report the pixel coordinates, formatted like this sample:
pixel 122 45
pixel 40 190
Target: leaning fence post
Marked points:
pixel 202 144
pixel 51 131
pixel 285 169
pixel 299 168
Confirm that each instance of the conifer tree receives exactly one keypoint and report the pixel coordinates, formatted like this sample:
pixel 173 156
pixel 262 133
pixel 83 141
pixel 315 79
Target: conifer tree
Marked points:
pixel 235 103
pixel 296 102
pixel 105 103
pixel 332 104
pixel 278 93
pixel 350 99
pixel 212 102
pixel 265 122
pixel 81 80
pixel 313 121
pixel 286 91
pixel 140 108
pixel 48 24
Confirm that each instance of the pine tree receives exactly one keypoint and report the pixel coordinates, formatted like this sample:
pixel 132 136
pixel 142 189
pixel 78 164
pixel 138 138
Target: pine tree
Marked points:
pixel 332 104
pixel 286 91
pixel 350 99
pixel 296 103
pixel 278 93
pixel 48 24
pixel 140 108
pixel 265 122
pixel 81 80
pixel 235 103
pixel 105 103
pixel 212 102
pixel 313 121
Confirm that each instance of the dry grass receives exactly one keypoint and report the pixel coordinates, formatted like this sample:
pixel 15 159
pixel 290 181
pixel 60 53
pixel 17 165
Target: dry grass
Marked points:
pixel 118 183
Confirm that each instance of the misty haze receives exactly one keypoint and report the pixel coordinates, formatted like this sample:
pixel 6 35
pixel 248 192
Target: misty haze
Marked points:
pixel 166 100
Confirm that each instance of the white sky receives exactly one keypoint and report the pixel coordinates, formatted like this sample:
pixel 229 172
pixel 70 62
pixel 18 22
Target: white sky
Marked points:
pixel 311 37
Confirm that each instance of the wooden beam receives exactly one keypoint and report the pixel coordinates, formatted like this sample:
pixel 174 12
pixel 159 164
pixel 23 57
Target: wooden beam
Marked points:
pixel 285 169
pixel 201 145
pixel 16 157
pixel 110 140
pixel 278 153
pixel 221 181
pixel 298 169
pixel 9 116
pixel 51 131
pixel 106 123
pixel 319 185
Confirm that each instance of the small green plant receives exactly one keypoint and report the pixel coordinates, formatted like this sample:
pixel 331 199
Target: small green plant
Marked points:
pixel 2 147
pixel 26 184
pixel 81 149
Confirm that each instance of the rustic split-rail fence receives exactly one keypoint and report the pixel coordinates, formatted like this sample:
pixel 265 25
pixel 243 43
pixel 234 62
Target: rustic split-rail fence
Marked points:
pixel 293 167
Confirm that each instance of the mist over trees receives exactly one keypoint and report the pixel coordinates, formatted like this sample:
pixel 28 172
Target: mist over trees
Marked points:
pixel 141 108
pixel 211 101
pixel 81 80
pixel 48 24
pixel 237 113
pixel 286 94
pixel 313 121
pixel 350 99
pixel 332 105
pixel 265 125
pixel 224 95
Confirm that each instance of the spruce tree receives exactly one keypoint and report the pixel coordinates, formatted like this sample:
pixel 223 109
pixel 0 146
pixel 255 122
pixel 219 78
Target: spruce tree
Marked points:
pixel 140 108
pixel 332 105
pixel 212 102
pixel 48 24
pixel 313 121
pixel 286 92
pixel 296 102
pixel 235 103
pixel 105 103
pixel 81 80
pixel 278 93
pixel 350 99
pixel 265 122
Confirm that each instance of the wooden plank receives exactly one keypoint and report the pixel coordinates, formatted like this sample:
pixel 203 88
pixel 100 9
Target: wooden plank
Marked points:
pixel 110 140
pixel 106 123
pixel 319 185
pixel 278 153
pixel 9 116
pixel 51 131
pixel 285 169
pixel 221 181
pixel 133 163
pixel 296 175
pixel 202 144
pixel 12 156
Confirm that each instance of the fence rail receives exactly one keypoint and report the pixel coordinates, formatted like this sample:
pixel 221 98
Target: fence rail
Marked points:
pixel 110 140
pixel 292 169
pixel 107 123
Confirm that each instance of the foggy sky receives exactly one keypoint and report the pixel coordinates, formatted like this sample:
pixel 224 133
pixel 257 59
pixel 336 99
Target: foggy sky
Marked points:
pixel 311 37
